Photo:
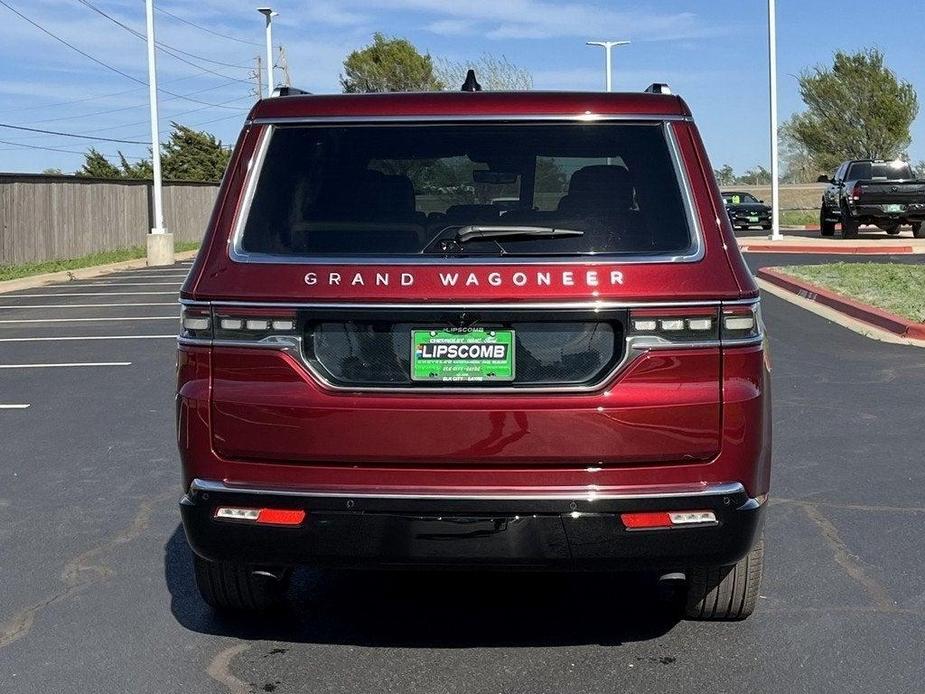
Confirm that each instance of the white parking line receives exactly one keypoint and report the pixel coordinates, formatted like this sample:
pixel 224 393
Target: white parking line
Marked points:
pixel 86 320
pixel 61 338
pixel 65 365
pixel 167 303
pixel 41 296
pixel 14 407
pixel 139 276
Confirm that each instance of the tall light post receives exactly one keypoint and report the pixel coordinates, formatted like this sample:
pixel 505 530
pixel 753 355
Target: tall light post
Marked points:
pixel 607 46
pixel 159 242
pixel 775 163
pixel 269 14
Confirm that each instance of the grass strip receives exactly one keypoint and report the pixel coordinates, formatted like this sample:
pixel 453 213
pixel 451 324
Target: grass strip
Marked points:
pixel 13 272
pixel 896 288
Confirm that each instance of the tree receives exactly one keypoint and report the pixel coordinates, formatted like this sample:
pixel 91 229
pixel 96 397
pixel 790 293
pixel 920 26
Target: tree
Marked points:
pixel 799 164
pixel 188 155
pixel 919 170
pixel 759 176
pixel 193 155
pixel 857 109
pixel 494 73
pixel 96 165
pixel 52 172
pixel 389 65
pixel 725 176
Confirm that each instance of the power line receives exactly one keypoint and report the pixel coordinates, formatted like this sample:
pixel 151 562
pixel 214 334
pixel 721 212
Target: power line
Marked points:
pixel 81 137
pixel 70 45
pixel 107 65
pixel 206 29
pixel 165 47
pixel 16 145
pixel 136 106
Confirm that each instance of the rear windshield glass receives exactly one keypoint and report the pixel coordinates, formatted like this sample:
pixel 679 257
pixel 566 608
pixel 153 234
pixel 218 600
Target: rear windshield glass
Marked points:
pixel 888 171
pixel 465 190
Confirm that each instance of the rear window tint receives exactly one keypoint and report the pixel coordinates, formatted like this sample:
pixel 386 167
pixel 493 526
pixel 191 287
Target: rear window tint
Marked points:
pixel 888 171
pixel 413 190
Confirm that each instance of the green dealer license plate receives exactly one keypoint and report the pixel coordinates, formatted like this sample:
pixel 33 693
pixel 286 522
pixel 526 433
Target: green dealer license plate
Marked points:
pixel 466 354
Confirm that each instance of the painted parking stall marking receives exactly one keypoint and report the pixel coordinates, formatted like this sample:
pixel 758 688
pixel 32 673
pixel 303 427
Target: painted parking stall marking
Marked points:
pixel 59 338
pixel 74 364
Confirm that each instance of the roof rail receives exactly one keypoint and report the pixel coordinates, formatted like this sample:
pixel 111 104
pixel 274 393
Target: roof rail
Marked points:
pixel 288 91
pixel 658 88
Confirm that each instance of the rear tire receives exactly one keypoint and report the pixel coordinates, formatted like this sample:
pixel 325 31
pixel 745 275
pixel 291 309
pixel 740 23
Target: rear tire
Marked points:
pixel 826 227
pixel 232 587
pixel 725 592
pixel 849 226
pixel 917 231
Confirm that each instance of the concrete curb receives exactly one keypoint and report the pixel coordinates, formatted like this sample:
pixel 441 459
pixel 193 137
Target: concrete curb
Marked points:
pixel 83 273
pixel 855 309
pixel 776 247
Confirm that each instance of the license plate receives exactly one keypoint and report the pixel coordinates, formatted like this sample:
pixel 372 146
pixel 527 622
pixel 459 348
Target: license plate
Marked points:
pixel 464 354
pixel 753 219
pixel 894 208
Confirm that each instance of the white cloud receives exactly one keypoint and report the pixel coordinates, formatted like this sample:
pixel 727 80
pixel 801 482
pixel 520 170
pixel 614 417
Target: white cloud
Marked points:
pixel 537 19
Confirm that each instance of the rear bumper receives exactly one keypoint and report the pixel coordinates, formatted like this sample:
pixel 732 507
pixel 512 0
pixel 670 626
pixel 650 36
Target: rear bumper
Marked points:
pixel 537 531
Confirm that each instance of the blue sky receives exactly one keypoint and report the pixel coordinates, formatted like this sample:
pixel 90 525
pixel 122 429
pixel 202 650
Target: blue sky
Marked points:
pixel 712 52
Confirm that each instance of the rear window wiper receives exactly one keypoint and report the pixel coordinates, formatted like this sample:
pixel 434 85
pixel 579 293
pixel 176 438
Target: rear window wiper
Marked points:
pixel 491 232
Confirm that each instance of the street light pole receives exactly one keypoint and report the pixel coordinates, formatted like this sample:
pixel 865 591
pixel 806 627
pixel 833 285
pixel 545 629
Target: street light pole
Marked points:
pixel 607 46
pixel 159 243
pixel 269 14
pixel 775 162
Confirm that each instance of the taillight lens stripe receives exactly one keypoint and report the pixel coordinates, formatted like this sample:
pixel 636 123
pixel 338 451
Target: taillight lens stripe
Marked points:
pixel 244 325
pixel 683 324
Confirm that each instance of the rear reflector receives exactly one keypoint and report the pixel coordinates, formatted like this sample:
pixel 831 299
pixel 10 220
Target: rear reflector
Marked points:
pixel 262 516
pixel 280 516
pixel 652 520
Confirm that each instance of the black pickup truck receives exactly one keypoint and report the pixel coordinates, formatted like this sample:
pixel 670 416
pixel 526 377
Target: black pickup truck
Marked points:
pixel 883 193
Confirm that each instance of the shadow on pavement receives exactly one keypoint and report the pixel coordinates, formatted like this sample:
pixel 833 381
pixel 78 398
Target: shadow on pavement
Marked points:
pixel 437 609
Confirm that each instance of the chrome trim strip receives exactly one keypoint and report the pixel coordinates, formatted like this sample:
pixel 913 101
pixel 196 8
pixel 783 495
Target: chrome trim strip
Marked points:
pixel 725 489
pixel 466 306
pixel 451 119
pixel 597 304
pixel 237 254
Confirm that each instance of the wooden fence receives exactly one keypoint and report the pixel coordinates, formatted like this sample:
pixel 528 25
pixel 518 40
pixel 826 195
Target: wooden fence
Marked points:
pixel 57 217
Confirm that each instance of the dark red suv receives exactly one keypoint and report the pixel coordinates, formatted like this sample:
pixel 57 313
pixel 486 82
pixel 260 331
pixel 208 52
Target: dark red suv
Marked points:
pixel 473 330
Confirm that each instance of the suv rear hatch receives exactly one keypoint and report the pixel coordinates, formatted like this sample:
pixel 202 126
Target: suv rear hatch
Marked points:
pixel 360 250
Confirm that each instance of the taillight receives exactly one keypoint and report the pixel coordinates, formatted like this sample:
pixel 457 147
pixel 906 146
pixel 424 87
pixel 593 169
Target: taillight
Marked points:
pixel 741 323
pixel 261 516
pixel 655 520
pixel 670 325
pixel 240 325
pixel 196 322
pixel 253 324
pixel 655 327
pixel 856 191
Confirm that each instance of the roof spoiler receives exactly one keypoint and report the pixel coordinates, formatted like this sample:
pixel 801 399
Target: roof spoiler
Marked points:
pixel 658 88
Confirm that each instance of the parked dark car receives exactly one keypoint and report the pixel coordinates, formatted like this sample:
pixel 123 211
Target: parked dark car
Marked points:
pixel 866 191
pixel 380 366
pixel 745 210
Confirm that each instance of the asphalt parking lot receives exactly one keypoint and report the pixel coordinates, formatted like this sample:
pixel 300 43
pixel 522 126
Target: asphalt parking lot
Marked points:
pixel 96 591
